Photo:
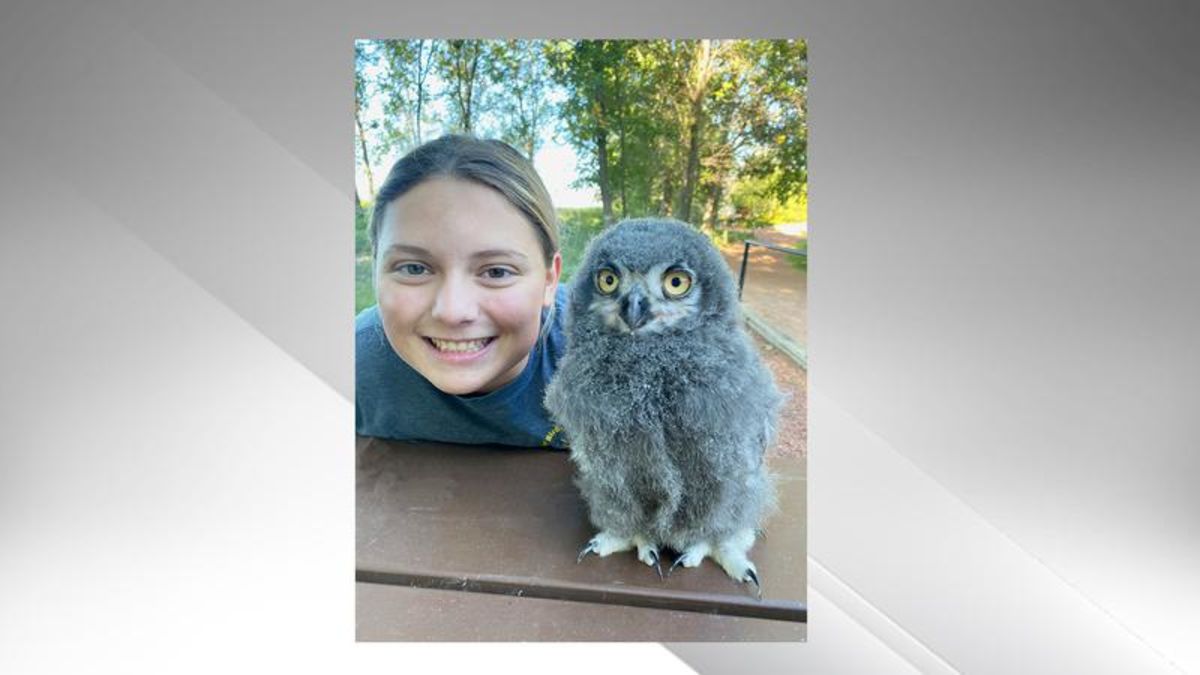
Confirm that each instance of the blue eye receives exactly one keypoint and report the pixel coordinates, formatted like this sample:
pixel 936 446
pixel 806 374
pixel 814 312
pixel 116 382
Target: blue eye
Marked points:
pixel 497 273
pixel 411 269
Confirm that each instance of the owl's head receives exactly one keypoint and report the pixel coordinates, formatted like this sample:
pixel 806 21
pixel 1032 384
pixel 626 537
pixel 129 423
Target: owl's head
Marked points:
pixel 652 276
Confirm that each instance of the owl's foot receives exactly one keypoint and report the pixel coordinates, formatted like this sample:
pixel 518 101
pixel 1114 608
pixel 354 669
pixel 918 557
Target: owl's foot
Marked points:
pixel 692 556
pixel 648 553
pixel 731 556
pixel 605 543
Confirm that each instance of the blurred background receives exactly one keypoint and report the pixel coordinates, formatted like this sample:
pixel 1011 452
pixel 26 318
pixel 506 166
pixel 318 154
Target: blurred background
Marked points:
pixel 712 132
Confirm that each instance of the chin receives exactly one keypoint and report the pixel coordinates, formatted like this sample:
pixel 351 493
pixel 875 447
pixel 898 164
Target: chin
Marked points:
pixel 459 389
pixel 457 385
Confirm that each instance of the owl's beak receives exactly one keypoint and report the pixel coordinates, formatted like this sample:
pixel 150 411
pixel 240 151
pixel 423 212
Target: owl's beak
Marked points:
pixel 633 310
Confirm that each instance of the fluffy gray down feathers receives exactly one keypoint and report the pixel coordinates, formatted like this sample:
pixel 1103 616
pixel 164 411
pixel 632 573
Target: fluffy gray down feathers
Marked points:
pixel 667 429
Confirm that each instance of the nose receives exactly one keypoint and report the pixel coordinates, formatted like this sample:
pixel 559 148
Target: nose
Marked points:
pixel 455 302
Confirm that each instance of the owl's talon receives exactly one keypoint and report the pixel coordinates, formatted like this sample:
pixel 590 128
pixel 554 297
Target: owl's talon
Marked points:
pixel 752 576
pixel 590 547
pixel 678 561
pixel 647 552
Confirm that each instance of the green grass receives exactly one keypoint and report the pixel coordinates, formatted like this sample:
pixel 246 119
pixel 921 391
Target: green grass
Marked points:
pixel 800 262
pixel 576 227
pixel 364 290
pixel 724 236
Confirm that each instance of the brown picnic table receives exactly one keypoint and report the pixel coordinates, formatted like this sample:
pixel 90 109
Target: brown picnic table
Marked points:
pixel 479 543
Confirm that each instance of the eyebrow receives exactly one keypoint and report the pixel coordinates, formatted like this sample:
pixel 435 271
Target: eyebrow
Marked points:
pixel 403 248
pixel 500 253
pixel 478 255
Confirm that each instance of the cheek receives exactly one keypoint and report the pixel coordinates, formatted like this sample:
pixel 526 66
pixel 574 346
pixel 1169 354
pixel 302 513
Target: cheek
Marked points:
pixel 516 311
pixel 400 306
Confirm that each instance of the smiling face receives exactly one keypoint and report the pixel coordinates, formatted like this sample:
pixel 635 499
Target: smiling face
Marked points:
pixel 461 281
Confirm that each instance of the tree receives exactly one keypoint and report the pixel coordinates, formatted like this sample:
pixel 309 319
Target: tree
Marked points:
pixel 521 68
pixel 705 58
pixel 405 86
pixel 662 127
pixel 363 58
pixel 425 51
pixel 779 82
pixel 587 70
pixel 461 67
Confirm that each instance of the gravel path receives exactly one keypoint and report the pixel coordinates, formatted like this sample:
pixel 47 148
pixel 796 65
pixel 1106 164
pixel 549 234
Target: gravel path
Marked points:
pixel 774 289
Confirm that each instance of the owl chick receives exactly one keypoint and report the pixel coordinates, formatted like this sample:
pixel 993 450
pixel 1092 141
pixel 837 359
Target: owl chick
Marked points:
pixel 665 401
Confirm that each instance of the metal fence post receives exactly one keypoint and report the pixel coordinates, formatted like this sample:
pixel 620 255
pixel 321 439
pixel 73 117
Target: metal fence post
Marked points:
pixel 742 274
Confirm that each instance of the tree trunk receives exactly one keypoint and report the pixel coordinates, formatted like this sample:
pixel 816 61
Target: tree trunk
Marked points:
pixel 464 76
pixel 469 110
pixel 668 195
pixel 714 215
pixel 702 73
pixel 601 130
pixel 624 165
pixel 692 173
pixel 602 160
pixel 423 68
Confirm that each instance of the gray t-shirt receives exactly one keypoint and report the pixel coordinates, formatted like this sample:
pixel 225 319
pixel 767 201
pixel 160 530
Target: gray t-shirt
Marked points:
pixel 394 401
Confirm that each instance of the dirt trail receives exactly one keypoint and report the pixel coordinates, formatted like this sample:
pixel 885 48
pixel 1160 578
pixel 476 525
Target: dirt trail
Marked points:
pixel 778 293
pixel 775 290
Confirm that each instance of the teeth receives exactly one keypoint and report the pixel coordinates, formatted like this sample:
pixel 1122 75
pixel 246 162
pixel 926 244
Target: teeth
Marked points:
pixel 458 345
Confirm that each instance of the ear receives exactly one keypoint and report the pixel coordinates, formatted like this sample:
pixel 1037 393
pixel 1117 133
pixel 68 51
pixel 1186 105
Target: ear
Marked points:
pixel 552 274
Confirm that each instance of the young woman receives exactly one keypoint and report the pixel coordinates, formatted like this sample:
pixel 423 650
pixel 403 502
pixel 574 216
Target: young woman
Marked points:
pixel 466 331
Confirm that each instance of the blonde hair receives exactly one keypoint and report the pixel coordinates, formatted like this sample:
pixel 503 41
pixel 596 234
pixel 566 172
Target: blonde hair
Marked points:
pixel 490 163
pixel 487 162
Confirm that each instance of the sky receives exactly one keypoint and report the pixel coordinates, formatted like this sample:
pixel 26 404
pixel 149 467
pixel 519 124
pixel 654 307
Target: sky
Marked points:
pixel 555 162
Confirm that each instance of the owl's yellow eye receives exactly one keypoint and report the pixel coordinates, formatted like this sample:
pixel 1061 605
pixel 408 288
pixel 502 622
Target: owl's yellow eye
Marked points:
pixel 677 283
pixel 607 280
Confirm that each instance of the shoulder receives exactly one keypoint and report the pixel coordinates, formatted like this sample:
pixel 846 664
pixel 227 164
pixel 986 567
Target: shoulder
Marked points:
pixel 366 320
pixel 556 336
pixel 382 381
pixel 369 340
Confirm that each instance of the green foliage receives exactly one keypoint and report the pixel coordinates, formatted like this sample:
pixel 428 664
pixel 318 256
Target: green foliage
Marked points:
pixel 752 202
pixel 362 223
pixel 794 210
pixel 725 236
pixel 576 227
pixel 463 66
pixel 710 131
pixel 799 262
pixel 719 111
pixel 364 287
pixel 756 204
pixel 523 110
pixel 661 126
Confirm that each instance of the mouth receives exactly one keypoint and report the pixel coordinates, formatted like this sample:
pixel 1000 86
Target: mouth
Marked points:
pixel 459 350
